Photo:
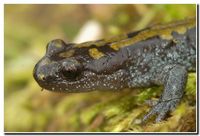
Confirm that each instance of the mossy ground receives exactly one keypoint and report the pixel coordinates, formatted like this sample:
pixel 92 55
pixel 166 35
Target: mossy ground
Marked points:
pixel 97 111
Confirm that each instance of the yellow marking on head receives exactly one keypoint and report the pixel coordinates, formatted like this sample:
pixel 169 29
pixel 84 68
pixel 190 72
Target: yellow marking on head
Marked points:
pixel 94 53
pixel 67 54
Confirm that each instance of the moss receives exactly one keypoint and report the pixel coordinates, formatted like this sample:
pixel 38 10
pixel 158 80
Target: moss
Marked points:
pixel 97 111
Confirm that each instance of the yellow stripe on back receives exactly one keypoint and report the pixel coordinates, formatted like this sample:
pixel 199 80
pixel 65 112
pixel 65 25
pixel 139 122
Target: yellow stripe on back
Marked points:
pixel 95 53
pixel 164 31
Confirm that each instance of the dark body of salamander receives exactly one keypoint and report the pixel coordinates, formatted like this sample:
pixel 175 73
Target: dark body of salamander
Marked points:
pixel 159 55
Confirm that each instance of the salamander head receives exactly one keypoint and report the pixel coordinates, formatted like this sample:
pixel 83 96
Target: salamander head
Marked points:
pixel 59 70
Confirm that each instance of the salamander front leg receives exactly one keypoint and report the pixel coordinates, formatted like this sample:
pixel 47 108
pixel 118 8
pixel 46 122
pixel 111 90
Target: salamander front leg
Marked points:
pixel 174 78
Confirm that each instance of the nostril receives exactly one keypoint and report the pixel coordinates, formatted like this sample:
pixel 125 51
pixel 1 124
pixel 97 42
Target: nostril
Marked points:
pixel 44 78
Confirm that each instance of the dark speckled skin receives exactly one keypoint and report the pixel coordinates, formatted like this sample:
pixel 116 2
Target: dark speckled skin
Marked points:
pixel 97 65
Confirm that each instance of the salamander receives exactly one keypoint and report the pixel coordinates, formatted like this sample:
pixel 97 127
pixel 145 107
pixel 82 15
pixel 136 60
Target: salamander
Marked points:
pixel 159 55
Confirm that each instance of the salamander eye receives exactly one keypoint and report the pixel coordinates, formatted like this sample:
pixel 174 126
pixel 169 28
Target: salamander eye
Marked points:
pixel 71 69
pixel 70 74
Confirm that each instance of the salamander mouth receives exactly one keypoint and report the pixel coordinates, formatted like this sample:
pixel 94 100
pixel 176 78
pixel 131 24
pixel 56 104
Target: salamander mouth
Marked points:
pixel 64 85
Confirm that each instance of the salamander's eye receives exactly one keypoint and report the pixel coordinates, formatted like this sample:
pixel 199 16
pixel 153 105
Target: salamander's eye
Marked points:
pixel 71 69
pixel 70 74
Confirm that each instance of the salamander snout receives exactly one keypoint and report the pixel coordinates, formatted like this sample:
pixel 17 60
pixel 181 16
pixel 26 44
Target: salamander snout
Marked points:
pixel 46 72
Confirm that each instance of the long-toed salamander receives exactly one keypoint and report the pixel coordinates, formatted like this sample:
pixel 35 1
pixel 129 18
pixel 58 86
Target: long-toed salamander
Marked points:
pixel 158 55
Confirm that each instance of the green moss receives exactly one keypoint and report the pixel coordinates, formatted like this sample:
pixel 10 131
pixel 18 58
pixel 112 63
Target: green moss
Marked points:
pixel 191 84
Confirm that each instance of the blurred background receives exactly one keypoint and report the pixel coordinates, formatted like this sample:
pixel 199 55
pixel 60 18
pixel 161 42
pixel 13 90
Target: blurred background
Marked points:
pixel 28 29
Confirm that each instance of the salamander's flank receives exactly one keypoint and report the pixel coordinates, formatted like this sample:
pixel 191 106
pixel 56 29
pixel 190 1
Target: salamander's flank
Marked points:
pixel 159 55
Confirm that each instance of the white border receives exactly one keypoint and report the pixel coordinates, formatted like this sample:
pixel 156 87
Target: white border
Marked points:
pixel 62 2
pixel 2 67
pixel 99 2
